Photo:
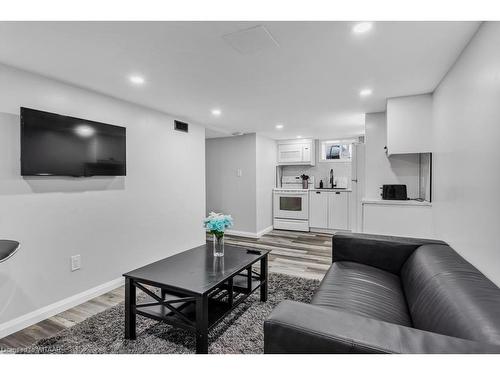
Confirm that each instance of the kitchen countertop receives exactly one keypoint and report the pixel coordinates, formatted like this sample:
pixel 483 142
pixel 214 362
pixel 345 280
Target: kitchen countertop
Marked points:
pixel 395 202
pixel 330 189
pixel 315 189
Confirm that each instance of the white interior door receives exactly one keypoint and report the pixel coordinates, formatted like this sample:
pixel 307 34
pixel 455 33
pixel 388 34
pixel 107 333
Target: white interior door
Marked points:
pixel 357 186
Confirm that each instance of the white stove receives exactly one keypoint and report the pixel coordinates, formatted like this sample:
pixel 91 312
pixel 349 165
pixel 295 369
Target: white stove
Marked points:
pixel 291 204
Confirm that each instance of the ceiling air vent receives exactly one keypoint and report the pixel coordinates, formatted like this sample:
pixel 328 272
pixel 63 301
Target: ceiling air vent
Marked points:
pixel 251 40
pixel 181 126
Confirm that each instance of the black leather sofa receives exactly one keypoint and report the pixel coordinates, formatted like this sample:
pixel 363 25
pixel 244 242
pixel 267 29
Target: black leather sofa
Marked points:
pixel 391 295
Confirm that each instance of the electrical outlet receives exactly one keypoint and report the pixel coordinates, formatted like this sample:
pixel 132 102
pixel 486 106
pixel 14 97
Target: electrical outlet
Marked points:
pixel 76 262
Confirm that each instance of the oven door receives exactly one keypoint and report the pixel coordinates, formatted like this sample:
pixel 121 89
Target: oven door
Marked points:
pixel 291 205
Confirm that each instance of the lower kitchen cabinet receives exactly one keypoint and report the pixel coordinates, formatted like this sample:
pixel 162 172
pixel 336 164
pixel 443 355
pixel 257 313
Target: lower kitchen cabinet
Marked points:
pixel 338 211
pixel 329 210
pixel 318 209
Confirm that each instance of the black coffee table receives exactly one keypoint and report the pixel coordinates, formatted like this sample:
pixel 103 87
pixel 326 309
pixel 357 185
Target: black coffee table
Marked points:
pixel 197 289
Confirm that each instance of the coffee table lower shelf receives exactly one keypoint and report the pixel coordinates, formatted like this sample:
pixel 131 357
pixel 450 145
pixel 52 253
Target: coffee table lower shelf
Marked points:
pixel 217 309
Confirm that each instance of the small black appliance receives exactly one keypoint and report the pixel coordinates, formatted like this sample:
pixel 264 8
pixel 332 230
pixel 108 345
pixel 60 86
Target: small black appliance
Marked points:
pixel 394 192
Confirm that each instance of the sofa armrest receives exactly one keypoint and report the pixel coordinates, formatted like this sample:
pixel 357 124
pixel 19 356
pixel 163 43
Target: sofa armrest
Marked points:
pixel 385 252
pixel 295 327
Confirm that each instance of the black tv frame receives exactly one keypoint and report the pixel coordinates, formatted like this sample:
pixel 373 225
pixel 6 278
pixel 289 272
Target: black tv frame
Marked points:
pixel 23 172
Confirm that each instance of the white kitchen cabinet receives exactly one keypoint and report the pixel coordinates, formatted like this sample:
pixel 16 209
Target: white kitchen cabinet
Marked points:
pixel 296 152
pixel 338 211
pixel 409 124
pixel 290 153
pixel 398 218
pixel 329 210
pixel 307 156
pixel 318 209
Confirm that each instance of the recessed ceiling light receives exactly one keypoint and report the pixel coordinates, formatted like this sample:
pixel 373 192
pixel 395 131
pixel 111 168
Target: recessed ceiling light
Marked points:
pixel 279 126
pixel 362 27
pixel 137 80
pixel 365 92
pixel 299 136
pixel 216 112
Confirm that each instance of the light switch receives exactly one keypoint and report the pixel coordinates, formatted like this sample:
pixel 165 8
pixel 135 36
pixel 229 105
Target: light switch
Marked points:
pixel 239 172
pixel 76 262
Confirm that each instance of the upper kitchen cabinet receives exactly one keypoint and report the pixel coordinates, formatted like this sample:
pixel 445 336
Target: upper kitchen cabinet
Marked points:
pixel 296 152
pixel 409 124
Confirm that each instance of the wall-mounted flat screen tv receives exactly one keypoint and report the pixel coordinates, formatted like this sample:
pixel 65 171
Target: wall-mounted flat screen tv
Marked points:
pixel 56 145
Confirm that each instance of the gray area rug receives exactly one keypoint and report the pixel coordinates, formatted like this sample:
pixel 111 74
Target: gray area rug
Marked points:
pixel 240 332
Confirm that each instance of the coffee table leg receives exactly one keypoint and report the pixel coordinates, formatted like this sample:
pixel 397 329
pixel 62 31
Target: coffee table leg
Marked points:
pixel 230 292
pixel 202 325
pixel 249 279
pixel 263 279
pixel 130 312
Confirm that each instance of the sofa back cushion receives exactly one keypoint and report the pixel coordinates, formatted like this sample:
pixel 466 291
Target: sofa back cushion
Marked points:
pixel 447 295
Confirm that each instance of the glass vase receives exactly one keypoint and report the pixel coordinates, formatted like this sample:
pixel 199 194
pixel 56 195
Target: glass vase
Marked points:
pixel 218 246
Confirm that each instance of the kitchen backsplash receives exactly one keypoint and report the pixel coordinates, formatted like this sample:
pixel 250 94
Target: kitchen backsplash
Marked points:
pixel 321 171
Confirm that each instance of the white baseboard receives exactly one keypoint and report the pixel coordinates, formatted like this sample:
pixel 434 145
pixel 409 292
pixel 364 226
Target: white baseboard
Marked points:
pixel 328 231
pixel 322 230
pixel 264 231
pixel 241 233
pixel 45 312
pixel 249 234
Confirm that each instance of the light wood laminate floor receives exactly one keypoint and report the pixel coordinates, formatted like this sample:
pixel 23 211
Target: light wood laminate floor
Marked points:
pixel 292 253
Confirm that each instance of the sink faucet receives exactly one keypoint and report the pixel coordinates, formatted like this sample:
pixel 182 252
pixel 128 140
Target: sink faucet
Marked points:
pixel 331 179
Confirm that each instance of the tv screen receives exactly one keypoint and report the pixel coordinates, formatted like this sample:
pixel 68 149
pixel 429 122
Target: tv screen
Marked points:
pixel 56 145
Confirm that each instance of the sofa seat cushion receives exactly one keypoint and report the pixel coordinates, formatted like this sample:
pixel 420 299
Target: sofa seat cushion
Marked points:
pixel 365 291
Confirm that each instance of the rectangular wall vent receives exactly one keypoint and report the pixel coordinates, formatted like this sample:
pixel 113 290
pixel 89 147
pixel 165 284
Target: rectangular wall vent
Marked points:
pixel 181 126
pixel 252 40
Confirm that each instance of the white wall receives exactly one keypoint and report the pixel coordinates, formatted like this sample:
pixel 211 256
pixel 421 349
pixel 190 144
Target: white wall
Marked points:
pixel 407 220
pixel 381 169
pixel 409 124
pixel 466 161
pixel 226 192
pixel 320 171
pixel 266 157
pixel 247 198
pixel 116 224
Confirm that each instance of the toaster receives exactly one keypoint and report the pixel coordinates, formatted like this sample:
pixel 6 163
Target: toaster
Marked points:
pixel 394 192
